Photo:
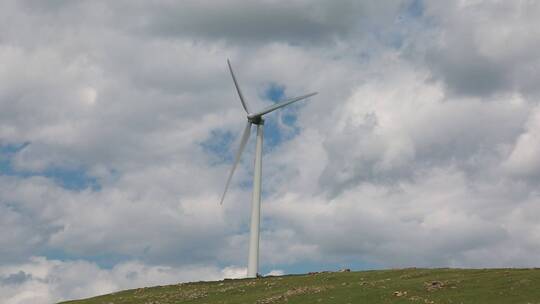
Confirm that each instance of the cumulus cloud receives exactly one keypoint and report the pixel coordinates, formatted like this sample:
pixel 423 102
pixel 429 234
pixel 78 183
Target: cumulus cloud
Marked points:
pixel 524 160
pixel 485 47
pixel 44 281
pixel 118 122
pixel 265 21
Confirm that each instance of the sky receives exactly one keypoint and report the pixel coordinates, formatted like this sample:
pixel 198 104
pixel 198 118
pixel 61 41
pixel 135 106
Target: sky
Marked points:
pixel 119 122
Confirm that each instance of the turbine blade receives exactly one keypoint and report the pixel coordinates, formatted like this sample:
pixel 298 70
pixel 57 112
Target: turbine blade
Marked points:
pixel 281 104
pixel 243 141
pixel 238 87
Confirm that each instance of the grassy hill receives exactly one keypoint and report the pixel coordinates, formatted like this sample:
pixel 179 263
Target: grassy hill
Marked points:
pixel 508 286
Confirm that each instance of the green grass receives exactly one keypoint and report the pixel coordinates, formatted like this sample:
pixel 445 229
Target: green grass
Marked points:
pixel 508 286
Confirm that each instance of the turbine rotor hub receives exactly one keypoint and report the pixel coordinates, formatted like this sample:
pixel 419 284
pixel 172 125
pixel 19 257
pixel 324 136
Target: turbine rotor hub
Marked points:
pixel 256 120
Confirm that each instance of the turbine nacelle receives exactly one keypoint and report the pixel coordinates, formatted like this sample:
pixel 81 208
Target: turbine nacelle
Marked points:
pixel 256 120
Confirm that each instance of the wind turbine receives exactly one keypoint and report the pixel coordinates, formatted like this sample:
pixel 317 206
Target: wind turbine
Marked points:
pixel 254 118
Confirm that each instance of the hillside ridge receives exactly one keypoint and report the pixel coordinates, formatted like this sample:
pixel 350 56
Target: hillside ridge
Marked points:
pixel 409 285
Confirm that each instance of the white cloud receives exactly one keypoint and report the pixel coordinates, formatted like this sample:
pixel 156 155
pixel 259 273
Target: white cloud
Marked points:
pixel 485 47
pixel 524 159
pixel 275 272
pixel 47 281
pixel 88 95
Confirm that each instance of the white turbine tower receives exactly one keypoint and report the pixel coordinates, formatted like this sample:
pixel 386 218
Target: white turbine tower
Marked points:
pixel 255 118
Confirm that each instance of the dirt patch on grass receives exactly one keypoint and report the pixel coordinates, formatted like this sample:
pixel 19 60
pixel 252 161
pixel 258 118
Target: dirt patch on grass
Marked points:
pixel 433 285
pixel 291 293
pixel 181 293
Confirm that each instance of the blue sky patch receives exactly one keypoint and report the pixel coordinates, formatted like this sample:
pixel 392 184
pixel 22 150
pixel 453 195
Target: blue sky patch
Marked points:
pixel 275 92
pixel 68 178
pixel 72 179
pixel 274 133
pixel 219 144
pixel 415 9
